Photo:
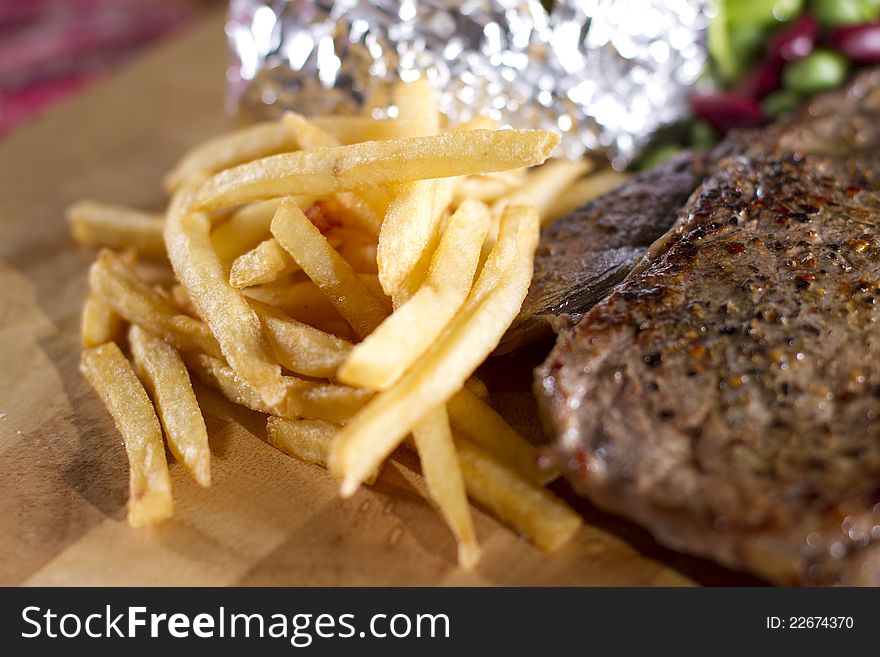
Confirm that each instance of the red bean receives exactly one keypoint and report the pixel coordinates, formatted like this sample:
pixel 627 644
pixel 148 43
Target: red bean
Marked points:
pixel 765 77
pixel 725 110
pixel 794 41
pixel 861 43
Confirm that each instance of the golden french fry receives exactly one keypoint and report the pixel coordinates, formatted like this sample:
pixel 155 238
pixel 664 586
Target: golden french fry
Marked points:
pixel 543 186
pixel 301 399
pixel 303 301
pixel 468 339
pixel 581 191
pixel 110 374
pixel 433 440
pixel 265 263
pixel 246 228
pixel 233 322
pixel 412 217
pixel 118 227
pixel 100 323
pixel 474 419
pixel 419 114
pixel 228 150
pixel 370 164
pixel 138 303
pixel 299 347
pixel 329 271
pixel 406 334
pixel 477 387
pixel 306 440
pixel 161 370
pixel 519 503
pixel 353 129
pixel 181 299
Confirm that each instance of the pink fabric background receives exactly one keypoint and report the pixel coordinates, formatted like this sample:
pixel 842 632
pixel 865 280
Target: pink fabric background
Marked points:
pixel 50 49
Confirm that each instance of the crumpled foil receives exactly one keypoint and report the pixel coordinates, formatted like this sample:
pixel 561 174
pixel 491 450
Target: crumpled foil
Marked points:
pixel 606 74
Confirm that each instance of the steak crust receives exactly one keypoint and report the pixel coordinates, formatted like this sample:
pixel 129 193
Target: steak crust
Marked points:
pixel 726 395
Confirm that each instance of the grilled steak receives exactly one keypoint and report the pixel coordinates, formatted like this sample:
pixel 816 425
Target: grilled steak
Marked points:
pixel 582 256
pixel 726 395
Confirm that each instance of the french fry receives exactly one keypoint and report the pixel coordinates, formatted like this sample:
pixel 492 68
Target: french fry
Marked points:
pixel 233 322
pixel 306 440
pixel 469 338
pixel 405 335
pixel 543 186
pixel 433 440
pixel 474 419
pixel 265 263
pixel 369 164
pixel 519 503
pixel 111 376
pixel 228 150
pixel 117 227
pixel 581 191
pixel 299 347
pixel 412 216
pixel 303 301
pixel 138 303
pixel 100 323
pixel 354 129
pixel 416 276
pixel 163 373
pixel 329 271
pixel 302 399
pixel 246 228
pixel 477 387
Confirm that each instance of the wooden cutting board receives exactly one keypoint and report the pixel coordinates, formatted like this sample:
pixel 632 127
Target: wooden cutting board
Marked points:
pixel 268 519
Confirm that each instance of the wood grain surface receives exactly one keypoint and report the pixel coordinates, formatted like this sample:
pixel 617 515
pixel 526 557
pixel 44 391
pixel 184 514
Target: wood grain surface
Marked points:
pixel 267 519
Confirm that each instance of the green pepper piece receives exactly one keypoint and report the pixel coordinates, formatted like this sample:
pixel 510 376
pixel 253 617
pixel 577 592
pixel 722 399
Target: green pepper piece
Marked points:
pixel 821 70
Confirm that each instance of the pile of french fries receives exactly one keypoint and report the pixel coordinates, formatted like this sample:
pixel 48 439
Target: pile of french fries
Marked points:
pixel 346 277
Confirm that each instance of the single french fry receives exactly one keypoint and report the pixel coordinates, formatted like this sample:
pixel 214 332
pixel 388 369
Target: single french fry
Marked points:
pixel 543 186
pixel 299 347
pixel 303 301
pixel 118 227
pixel 416 276
pixel 306 440
pixel 110 374
pixel 519 503
pixel 418 112
pixel 581 191
pixel 138 303
pixel 233 322
pixel 406 334
pixel 369 164
pixel 412 217
pixel 354 129
pixel 246 228
pixel 437 455
pixel 265 263
pixel 228 150
pixel 163 373
pixel 475 420
pixel 301 399
pixel 468 339
pixel 329 271
pixel 100 323
pixel 477 387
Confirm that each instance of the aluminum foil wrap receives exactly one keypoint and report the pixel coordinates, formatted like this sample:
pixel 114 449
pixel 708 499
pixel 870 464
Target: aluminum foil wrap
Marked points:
pixel 603 73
